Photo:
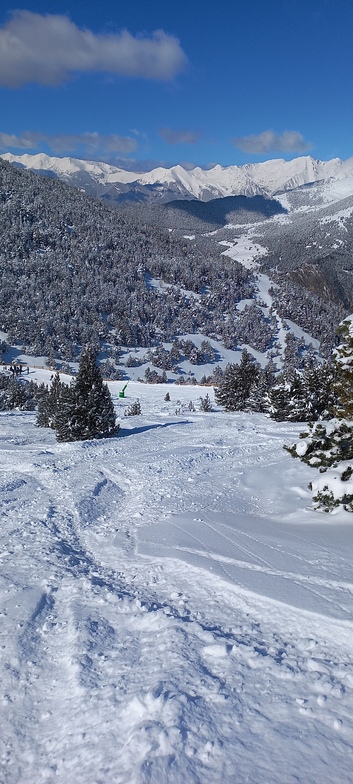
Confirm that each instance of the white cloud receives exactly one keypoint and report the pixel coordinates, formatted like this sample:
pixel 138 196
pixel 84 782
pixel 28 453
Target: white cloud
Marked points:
pixel 182 136
pixel 90 143
pixel 29 140
pixel 269 141
pixel 48 49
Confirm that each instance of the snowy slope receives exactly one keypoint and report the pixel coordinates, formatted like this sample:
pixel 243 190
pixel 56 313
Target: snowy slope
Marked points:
pixel 172 611
pixel 266 178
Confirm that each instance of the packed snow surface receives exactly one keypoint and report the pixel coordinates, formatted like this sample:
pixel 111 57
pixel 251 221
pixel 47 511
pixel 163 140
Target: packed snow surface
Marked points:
pixel 172 610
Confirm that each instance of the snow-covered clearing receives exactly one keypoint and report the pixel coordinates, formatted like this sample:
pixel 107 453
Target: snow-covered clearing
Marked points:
pixel 244 249
pixel 172 611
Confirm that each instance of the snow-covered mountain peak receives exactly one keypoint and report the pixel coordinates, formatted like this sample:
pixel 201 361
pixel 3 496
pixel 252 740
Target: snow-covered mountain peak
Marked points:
pixel 267 178
pixel 68 167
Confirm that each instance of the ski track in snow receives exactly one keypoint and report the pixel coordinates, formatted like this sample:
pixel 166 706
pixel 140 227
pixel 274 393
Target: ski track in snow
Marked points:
pixel 171 608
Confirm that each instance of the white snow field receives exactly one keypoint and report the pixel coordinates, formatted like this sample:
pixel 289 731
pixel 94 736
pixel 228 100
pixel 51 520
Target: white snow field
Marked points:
pixel 172 610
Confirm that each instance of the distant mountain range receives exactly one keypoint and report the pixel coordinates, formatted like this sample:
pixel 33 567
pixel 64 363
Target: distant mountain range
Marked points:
pixel 164 185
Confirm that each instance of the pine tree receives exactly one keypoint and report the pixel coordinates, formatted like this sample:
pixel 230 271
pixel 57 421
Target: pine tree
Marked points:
pixel 259 392
pixel 279 399
pixel 343 360
pixel 134 409
pixel 325 445
pixel 303 396
pixel 48 404
pixel 205 404
pixel 235 385
pixel 63 422
pixel 85 409
pixel 299 405
pixel 226 393
pixel 319 391
pixel 329 446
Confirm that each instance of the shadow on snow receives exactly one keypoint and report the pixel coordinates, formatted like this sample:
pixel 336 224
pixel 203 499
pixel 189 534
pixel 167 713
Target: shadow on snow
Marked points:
pixel 123 432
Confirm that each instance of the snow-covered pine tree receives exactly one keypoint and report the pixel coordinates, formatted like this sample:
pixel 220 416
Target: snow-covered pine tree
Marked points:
pixel 85 409
pixel 205 404
pixel 234 387
pixel 329 446
pixel 13 394
pixel 298 409
pixel 343 382
pixel 226 392
pixel 318 382
pixel 278 401
pixel 258 397
pixel 134 409
pixel 64 422
pixel 303 396
pixel 48 404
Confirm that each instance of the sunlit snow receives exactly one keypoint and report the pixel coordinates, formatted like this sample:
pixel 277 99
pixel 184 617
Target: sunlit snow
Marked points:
pixel 172 609
pixel 267 178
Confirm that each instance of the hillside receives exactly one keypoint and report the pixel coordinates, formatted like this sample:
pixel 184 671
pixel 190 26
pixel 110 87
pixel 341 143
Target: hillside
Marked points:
pixel 313 245
pixel 76 271
pixel 306 233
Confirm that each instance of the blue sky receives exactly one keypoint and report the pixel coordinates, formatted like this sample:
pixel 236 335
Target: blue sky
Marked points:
pixel 142 83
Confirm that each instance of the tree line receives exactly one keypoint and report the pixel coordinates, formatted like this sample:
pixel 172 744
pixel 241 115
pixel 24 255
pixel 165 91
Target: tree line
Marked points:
pixel 295 395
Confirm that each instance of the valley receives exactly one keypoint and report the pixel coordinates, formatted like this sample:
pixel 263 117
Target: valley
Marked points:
pixel 205 256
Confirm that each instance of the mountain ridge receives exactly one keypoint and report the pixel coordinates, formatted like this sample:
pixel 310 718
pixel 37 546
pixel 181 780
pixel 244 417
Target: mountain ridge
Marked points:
pixel 166 184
